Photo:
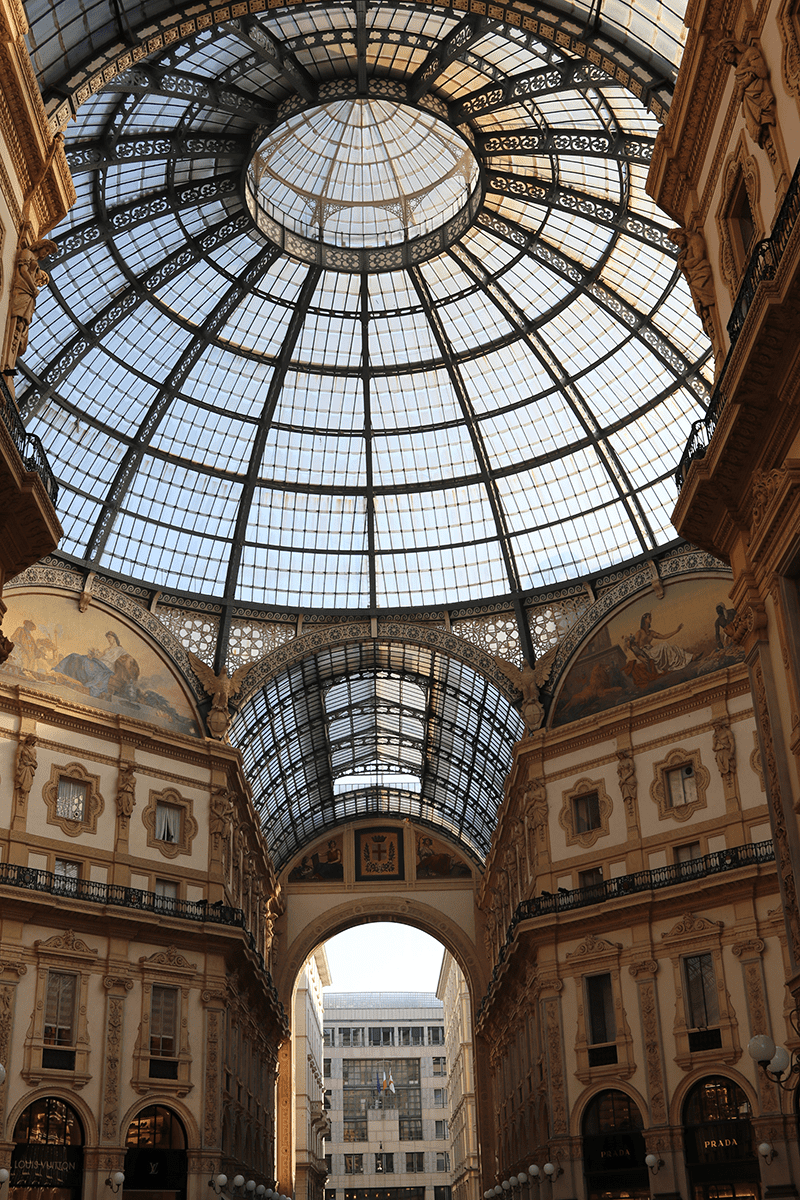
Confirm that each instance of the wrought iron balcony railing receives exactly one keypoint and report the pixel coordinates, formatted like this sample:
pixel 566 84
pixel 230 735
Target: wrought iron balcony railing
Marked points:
pixel 754 854
pixel 764 262
pixel 35 880
pixel 29 447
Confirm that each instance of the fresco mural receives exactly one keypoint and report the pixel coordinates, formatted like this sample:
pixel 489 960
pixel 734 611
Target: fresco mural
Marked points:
pixel 435 860
pixel 92 658
pixel 323 864
pixel 650 645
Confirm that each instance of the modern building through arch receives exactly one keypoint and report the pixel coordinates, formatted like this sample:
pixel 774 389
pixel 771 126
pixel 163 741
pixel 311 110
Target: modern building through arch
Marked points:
pixel 340 425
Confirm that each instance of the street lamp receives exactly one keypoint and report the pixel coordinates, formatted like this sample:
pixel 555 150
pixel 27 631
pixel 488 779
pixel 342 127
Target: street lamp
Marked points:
pixel 775 1060
pixel 115 1181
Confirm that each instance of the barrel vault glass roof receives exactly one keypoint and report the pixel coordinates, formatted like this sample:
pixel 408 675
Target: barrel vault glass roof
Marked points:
pixel 308 402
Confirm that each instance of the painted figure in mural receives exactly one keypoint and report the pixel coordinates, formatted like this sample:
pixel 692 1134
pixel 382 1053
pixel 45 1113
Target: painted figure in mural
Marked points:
pixel 723 626
pixel 109 672
pixel 665 656
pixel 752 86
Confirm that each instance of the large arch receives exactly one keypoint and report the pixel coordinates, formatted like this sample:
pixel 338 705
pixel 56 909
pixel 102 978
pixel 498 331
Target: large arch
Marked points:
pixel 315 921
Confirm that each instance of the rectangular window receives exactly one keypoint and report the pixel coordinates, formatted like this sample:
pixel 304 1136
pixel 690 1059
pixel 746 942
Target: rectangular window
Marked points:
pixel 440 1066
pixel 163 1021
pixel 688 853
pixel 415 1162
pixel 326 1068
pixel 166 893
pixel 168 823
pixel 384 1164
pixel 600 1025
pixel 586 812
pixel 442 1160
pixel 436 1035
pixel 410 1129
pixel 701 991
pixel 327 1037
pixel 71 798
pixel 681 786
pixel 592 877
pixel 329 1163
pixel 440 1130
pixel 381 1037
pixel 354 1164
pixel 440 1097
pixel 351 1037
pixel 355 1130
pixel 59 1012
pixel 412 1035
pixel 67 874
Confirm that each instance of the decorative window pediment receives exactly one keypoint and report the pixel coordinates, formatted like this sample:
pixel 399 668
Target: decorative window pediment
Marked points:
pixel 585 812
pixel 170 824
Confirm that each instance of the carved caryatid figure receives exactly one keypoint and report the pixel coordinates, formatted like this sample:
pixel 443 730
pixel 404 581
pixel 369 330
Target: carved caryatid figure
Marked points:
pixel 28 280
pixel 528 681
pixel 693 261
pixel 724 748
pixel 25 767
pixel 626 773
pixel 222 688
pixel 752 87
pixel 126 790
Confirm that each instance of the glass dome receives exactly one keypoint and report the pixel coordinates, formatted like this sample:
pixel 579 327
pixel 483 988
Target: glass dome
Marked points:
pixel 470 377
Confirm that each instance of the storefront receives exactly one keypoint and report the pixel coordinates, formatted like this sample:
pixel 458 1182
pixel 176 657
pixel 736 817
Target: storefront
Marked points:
pixel 721 1159
pixel 156 1161
pixel 47 1160
pixel 614 1149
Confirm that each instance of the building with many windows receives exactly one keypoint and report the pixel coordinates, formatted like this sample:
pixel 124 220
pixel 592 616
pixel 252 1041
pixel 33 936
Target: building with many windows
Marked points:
pixel 386 1091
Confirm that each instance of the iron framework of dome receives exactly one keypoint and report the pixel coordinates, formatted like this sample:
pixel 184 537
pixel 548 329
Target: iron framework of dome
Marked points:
pixel 371 378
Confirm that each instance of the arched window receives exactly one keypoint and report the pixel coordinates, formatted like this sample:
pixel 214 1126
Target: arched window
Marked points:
pixel 49 1149
pixel 614 1149
pixel 156 1157
pixel 720 1155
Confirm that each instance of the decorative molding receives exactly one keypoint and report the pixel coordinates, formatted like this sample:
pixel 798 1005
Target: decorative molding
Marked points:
pixel 93 805
pixel 566 817
pixel 171 957
pixel 188 824
pixel 690 924
pixel 593 945
pixel 647 966
pixel 660 791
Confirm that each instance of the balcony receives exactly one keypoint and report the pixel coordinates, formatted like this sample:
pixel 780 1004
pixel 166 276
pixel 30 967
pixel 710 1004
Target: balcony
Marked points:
pixel 32 879
pixel 766 263
pixel 755 854
pixel 29 528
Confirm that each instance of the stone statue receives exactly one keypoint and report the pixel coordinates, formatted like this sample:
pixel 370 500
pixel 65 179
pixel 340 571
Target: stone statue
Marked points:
pixel 126 789
pixel 26 284
pixel 222 688
pixel 724 748
pixel 25 768
pixel 626 773
pixel 221 812
pixel 693 261
pixel 528 681
pixel 752 87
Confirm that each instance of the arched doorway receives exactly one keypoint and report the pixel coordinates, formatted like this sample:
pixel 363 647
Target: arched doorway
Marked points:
pixel 48 1152
pixel 156 1159
pixel 721 1160
pixel 614 1149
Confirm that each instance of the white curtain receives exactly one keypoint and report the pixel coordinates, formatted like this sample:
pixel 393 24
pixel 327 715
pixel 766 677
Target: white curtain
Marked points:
pixel 168 823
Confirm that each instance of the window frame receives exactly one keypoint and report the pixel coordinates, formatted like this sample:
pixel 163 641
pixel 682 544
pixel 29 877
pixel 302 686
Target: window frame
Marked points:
pixel 170 798
pixel 94 803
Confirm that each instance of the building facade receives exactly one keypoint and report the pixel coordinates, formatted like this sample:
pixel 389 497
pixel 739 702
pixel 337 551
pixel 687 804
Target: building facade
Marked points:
pixel 453 992
pixel 386 1085
pixel 312 1124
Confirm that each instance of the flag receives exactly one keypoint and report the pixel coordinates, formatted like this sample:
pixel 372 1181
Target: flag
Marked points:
pixel 385 1084
pixel 377 1082
pixel 391 1082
